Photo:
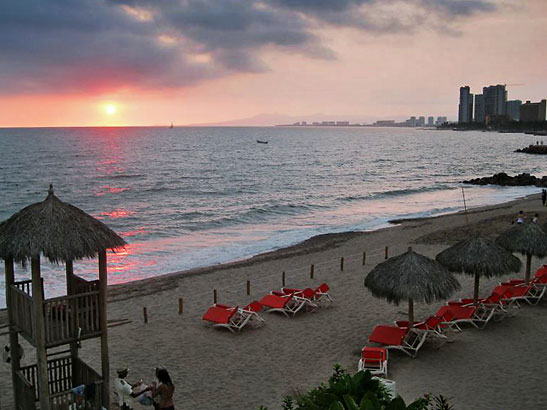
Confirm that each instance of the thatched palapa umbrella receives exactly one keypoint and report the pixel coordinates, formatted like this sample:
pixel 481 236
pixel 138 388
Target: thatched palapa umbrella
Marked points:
pixel 479 257
pixel 528 239
pixel 62 233
pixel 413 277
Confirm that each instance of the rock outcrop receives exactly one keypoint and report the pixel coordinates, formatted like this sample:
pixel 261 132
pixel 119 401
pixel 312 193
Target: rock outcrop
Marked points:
pixel 505 180
pixel 534 149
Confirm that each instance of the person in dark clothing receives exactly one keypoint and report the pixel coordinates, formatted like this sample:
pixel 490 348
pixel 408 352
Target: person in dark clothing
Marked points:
pixel 544 196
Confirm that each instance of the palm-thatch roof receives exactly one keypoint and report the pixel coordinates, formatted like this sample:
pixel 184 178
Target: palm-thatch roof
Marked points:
pixel 411 276
pixel 527 238
pixel 479 256
pixel 59 231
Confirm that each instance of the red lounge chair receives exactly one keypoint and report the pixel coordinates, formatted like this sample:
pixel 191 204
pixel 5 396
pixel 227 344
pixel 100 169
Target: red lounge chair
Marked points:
pixel 434 326
pixel 286 304
pixel 373 359
pixel 407 340
pixel 233 318
pixel 477 316
pixel 315 295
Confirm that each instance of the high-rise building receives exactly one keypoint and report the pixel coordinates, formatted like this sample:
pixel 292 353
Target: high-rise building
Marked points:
pixel 421 121
pixel 495 97
pixel 430 121
pixel 441 120
pixel 512 109
pixel 465 109
pixel 480 115
pixel 533 112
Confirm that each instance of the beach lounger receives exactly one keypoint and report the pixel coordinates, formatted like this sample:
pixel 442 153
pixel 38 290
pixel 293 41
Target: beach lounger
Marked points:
pixel 373 359
pixel 477 316
pixel 407 340
pixel 315 295
pixel 433 325
pixel 233 318
pixel 286 304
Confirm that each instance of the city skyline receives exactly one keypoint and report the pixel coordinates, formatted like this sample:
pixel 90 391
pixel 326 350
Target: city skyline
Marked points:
pixel 153 63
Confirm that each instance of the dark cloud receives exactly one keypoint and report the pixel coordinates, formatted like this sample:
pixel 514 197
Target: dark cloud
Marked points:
pixel 98 45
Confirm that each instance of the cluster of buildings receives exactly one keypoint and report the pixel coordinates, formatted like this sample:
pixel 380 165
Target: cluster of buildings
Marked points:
pixel 412 122
pixel 492 106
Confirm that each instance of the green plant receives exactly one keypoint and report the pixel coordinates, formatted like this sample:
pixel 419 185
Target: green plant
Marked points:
pixel 359 391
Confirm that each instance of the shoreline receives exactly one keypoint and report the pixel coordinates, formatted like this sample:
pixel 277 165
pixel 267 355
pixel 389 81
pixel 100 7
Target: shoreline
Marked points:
pixel 312 245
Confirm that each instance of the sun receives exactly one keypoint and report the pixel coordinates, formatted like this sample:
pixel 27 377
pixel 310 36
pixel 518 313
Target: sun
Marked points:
pixel 110 109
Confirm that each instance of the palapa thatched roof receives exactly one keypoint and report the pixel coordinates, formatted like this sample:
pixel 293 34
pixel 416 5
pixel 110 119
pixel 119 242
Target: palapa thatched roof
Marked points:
pixel 526 238
pixel 411 276
pixel 57 230
pixel 479 256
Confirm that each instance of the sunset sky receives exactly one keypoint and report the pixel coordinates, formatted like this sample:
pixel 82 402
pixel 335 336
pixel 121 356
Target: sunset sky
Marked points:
pixel 153 62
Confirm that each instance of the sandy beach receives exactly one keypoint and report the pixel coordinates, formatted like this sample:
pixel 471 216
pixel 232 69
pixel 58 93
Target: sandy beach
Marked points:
pixel 500 367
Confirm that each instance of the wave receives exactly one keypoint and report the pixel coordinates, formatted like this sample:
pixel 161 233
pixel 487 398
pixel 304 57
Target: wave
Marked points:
pixel 253 215
pixel 395 193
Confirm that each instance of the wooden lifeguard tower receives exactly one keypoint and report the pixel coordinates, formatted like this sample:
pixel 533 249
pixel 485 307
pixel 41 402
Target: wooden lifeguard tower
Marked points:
pixel 61 233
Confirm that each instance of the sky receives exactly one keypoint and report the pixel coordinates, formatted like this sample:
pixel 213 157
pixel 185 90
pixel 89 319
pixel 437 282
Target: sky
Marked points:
pixel 156 62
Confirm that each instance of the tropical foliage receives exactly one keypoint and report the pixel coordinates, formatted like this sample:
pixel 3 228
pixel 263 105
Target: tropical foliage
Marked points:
pixel 359 391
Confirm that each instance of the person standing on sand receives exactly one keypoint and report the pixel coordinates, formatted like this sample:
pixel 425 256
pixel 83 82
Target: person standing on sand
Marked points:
pixel 165 390
pixel 544 196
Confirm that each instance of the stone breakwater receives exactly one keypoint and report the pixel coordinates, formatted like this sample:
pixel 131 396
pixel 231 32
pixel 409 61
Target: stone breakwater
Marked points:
pixel 503 179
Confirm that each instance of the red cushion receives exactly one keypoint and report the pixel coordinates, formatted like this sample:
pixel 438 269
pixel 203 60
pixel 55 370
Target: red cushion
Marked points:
pixel 219 315
pixel 388 335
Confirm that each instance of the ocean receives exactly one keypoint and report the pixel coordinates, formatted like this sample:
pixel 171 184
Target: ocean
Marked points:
pixel 189 197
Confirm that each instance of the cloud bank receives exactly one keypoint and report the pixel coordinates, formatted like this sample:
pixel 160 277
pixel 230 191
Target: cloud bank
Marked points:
pixel 97 46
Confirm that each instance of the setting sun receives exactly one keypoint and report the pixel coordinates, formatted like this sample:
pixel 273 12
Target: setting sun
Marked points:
pixel 110 109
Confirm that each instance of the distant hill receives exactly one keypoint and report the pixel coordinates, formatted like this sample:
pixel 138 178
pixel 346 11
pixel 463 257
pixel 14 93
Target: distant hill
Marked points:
pixel 266 120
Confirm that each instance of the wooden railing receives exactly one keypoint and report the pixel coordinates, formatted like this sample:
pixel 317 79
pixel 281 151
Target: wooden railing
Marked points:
pixel 24 286
pixel 23 311
pixel 68 318
pixel 80 285
pixel 62 377
pixel 25 392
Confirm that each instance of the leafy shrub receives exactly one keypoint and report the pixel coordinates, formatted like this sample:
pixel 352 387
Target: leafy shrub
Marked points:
pixel 357 392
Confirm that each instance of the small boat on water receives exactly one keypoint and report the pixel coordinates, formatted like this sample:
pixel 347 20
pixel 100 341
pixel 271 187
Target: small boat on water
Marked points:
pixel 171 125
pixel 261 142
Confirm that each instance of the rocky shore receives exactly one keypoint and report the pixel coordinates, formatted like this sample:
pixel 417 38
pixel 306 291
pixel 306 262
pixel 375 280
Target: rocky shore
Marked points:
pixel 534 149
pixel 503 179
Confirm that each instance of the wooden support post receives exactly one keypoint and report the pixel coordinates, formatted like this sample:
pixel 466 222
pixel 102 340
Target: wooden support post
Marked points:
pixel 364 258
pixel 105 364
pixel 248 287
pixel 40 334
pixel 145 314
pixel 342 263
pixel 215 296
pixel 311 271
pixel 73 345
pixel 181 306
pixel 387 252
pixel 283 279
pixel 13 335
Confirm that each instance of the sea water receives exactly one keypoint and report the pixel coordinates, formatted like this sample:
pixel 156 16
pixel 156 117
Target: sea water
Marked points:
pixel 190 197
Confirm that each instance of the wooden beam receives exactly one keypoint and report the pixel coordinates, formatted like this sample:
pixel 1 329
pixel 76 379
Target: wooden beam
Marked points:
pixel 105 364
pixel 40 333
pixel 73 317
pixel 13 335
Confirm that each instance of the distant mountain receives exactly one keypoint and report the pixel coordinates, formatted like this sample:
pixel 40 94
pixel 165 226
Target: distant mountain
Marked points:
pixel 266 120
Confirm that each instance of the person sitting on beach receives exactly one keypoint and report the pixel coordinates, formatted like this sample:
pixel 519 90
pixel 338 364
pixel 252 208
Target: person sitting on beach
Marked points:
pixel 124 390
pixel 520 218
pixel 164 390
pixel 535 219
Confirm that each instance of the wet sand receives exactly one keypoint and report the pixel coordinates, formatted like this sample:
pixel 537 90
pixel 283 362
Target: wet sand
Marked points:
pixel 500 367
